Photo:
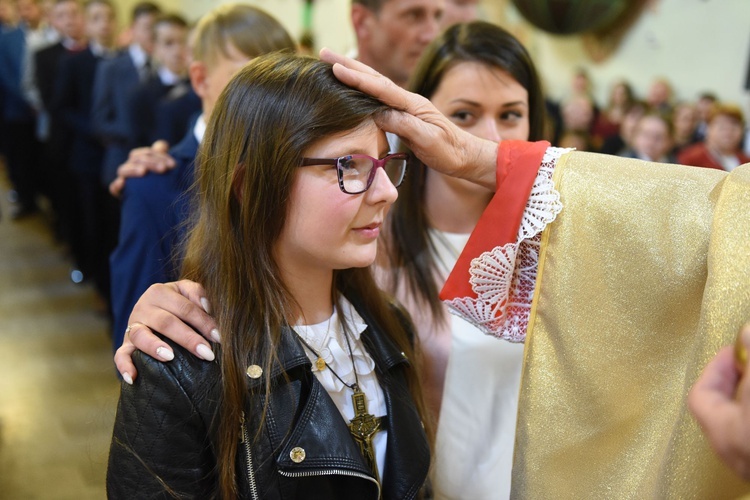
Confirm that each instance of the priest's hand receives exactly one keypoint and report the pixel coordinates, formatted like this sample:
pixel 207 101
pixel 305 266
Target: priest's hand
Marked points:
pixel 431 136
pixel 720 402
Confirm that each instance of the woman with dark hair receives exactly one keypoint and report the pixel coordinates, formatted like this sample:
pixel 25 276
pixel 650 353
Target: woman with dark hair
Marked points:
pixel 314 393
pixel 483 79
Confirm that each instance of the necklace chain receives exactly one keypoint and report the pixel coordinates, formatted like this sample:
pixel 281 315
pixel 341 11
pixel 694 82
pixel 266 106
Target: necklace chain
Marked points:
pixel 364 426
pixel 320 363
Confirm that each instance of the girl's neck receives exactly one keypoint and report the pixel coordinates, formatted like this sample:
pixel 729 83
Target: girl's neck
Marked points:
pixel 453 205
pixel 313 295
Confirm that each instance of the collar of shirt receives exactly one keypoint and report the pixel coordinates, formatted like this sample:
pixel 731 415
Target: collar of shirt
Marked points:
pixel 138 55
pixel 167 77
pixel 72 45
pixel 199 129
pixel 100 50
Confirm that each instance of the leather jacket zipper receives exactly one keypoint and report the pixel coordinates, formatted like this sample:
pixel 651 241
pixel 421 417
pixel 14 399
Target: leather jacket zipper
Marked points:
pixel 329 472
pixel 245 440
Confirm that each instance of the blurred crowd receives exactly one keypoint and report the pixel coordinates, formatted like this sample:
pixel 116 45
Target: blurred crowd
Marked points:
pixel 704 132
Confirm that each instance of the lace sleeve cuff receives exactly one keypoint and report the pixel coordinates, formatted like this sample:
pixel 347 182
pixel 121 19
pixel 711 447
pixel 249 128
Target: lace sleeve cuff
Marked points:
pixel 502 278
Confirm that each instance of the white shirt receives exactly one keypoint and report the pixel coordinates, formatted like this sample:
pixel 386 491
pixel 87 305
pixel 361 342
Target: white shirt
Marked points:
pixel 167 77
pixel 327 339
pixel 729 162
pixel 199 129
pixel 477 426
pixel 138 56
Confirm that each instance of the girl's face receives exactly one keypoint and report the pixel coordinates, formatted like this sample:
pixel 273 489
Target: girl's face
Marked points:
pixel 326 228
pixel 484 100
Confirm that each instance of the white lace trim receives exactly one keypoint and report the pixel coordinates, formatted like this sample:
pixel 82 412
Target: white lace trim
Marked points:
pixel 504 278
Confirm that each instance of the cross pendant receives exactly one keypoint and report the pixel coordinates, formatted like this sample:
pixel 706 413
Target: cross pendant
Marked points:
pixel 363 427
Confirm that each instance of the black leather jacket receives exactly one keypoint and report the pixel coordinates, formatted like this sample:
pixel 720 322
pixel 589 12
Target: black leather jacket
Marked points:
pixel 165 436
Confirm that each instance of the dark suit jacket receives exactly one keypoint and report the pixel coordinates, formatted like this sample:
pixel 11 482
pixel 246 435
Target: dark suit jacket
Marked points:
pixel 47 65
pixel 115 81
pixel 174 116
pixel 142 110
pixel 71 103
pixel 153 210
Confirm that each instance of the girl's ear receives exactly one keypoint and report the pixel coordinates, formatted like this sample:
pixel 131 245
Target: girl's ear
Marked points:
pixel 238 182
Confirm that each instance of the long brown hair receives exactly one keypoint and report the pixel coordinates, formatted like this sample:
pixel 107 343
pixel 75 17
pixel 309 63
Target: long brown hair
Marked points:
pixel 269 114
pixel 410 251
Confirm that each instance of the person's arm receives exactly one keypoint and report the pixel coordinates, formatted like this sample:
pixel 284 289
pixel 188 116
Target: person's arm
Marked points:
pixel 179 311
pixel 140 162
pixel 720 402
pixel 144 252
pixel 432 137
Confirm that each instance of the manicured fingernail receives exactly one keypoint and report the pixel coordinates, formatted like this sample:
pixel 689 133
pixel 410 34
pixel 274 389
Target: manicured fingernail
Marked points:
pixel 206 306
pixel 205 352
pixel 215 335
pixel 127 378
pixel 164 354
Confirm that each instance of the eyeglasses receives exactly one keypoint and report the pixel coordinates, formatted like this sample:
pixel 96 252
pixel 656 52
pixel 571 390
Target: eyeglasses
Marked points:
pixel 356 172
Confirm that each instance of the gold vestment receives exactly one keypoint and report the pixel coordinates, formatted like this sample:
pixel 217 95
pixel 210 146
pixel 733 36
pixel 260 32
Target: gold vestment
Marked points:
pixel 642 277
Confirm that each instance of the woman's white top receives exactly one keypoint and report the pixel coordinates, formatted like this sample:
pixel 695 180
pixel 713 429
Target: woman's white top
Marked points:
pixel 477 426
pixel 327 339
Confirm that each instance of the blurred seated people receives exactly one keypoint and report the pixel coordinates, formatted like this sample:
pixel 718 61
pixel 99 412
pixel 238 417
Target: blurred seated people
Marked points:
pixel 660 95
pixel 704 106
pixel 721 148
pixel 578 116
pixel 684 123
pixel 607 123
pixel 652 139
pixel 617 144
pixel 576 140
pixel 170 33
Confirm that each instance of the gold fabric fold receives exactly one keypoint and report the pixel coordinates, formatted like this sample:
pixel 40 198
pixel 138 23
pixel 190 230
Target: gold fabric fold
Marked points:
pixel 643 277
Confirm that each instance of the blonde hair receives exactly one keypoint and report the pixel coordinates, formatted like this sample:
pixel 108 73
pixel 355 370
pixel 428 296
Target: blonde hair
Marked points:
pixel 248 29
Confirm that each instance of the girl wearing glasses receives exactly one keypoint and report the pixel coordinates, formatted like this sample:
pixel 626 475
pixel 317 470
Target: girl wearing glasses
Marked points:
pixel 315 393
pixel 482 78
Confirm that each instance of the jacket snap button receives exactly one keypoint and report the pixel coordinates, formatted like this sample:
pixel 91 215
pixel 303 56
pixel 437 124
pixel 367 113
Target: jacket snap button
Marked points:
pixel 254 371
pixel 297 454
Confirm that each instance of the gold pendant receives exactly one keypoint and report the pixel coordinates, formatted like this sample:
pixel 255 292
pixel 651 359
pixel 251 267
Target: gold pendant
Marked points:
pixel 320 364
pixel 363 427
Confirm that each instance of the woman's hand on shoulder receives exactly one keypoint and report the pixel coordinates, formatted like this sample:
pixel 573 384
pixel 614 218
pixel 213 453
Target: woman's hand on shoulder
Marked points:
pixel 177 310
